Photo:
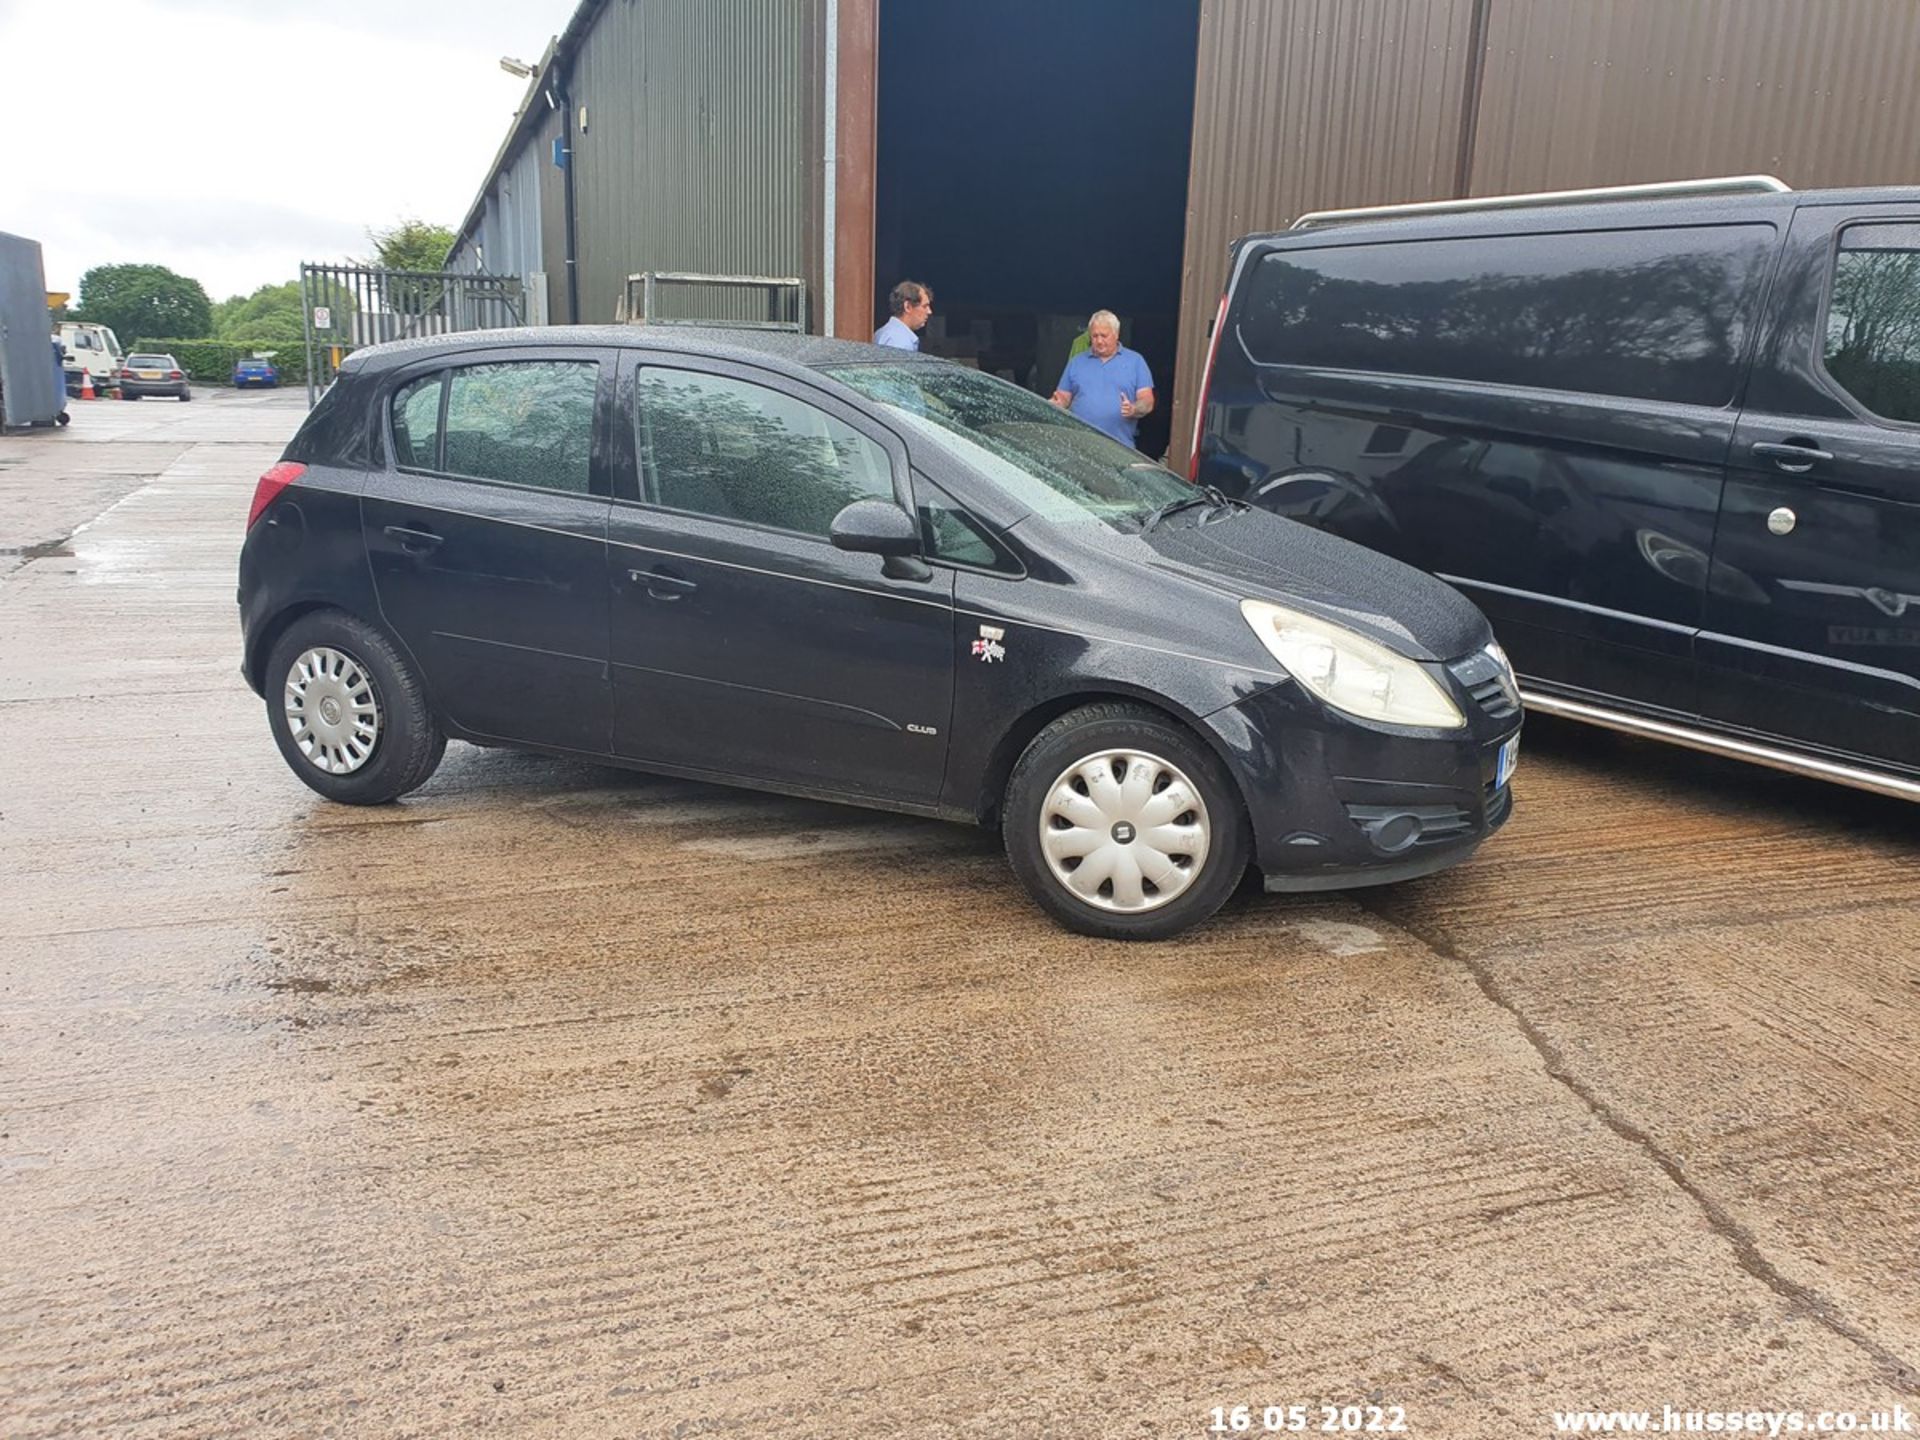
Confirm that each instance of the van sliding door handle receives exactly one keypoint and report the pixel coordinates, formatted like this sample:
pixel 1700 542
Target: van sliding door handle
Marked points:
pixel 1791 458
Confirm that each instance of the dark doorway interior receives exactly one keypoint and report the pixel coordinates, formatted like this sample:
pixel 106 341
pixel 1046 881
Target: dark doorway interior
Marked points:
pixel 1032 168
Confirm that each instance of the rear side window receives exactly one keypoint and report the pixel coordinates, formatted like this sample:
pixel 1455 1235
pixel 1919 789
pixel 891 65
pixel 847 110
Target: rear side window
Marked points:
pixel 738 451
pixel 1873 319
pixel 1639 314
pixel 416 424
pixel 528 422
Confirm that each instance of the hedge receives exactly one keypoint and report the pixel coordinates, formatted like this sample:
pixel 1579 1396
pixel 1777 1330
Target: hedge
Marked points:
pixel 211 361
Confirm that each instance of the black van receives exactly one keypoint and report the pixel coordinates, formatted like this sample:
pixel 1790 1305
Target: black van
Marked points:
pixel 1667 437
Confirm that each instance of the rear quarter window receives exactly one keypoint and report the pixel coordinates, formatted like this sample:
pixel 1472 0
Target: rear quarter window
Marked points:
pixel 1637 314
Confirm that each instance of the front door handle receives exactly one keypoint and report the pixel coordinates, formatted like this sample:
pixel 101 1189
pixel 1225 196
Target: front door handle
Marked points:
pixel 663 584
pixel 1795 459
pixel 414 542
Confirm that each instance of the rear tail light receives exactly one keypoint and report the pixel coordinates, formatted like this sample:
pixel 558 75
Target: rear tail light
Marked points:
pixel 1206 384
pixel 268 489
pixel 175 375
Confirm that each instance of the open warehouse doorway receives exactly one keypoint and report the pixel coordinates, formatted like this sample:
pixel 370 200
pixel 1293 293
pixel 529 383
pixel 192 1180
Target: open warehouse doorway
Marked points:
pixel 1031 167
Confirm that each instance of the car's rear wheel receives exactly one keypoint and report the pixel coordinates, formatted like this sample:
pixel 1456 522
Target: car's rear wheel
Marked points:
pixel 348 712
pixel 1122 824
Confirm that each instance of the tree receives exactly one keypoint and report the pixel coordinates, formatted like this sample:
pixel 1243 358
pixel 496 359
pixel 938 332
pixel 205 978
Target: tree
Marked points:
pixel 411 245
pixel 145 302
pixel 270 313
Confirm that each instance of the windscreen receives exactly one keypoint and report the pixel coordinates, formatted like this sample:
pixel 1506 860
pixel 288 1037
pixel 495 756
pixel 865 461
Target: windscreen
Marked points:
pixel 1058 467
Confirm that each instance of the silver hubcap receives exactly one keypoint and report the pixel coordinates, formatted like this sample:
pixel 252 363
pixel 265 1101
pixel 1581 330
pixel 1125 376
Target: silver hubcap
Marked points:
pixel 331 713
pixel 1124 830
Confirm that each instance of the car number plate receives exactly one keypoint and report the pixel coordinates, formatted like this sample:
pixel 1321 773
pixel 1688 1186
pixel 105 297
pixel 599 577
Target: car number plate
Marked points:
pixel 148 374
pixel 1509 757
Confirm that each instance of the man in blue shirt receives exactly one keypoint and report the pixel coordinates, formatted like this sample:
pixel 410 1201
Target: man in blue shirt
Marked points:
pixel 1109 386
pixel 911 304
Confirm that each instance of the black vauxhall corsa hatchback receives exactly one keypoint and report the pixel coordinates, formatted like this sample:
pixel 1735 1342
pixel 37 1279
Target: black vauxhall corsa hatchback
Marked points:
pixel 825 569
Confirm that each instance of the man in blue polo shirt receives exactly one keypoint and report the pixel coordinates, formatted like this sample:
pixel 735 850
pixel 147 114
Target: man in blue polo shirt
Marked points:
pixel 1109 386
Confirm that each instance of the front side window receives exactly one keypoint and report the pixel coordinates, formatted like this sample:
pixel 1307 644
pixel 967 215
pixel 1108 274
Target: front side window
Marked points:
pixel 1873 319
pixel 737 451
pixel 527 422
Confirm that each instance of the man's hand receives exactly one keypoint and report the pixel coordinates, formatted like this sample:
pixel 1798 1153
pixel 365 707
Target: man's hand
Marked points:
pixel 1062 398
pixel 1132 407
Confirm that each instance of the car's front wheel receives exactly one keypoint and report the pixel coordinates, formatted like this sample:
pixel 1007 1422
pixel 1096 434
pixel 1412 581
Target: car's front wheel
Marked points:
pixel 1122 824
pixel 349 714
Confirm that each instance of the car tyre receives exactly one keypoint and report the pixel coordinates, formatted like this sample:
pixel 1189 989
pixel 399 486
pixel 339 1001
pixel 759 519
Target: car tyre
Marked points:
pixel 1166 869
pixel 185 395
pixel 348 711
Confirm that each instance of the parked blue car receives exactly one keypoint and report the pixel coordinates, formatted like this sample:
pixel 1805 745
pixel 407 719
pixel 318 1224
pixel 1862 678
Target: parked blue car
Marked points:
pixel 254 372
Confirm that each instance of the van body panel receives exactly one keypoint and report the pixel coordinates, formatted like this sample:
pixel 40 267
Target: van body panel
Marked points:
pixel 1556 411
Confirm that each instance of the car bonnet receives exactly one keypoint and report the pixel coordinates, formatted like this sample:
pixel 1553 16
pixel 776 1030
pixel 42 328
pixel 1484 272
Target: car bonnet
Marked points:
pixel 1254 555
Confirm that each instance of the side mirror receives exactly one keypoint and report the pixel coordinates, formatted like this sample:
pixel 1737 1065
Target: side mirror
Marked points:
pixel 875 527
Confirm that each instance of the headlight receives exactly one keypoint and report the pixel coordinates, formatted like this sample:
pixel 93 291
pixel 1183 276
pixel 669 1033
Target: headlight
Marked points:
pixel 1351 672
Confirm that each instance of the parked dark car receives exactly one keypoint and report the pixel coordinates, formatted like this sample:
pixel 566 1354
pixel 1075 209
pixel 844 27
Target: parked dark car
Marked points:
pixel 255 371
pixel 1669 443
pixel 868 576
pixel 144 375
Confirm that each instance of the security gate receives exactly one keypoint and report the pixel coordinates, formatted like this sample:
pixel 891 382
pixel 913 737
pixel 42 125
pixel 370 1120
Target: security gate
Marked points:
pixel 349 306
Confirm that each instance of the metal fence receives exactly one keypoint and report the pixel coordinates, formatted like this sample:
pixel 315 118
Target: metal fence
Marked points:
pixel 351 306
pixel 686 297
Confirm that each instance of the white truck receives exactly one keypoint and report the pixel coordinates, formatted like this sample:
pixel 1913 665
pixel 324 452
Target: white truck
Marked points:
pixel 93 351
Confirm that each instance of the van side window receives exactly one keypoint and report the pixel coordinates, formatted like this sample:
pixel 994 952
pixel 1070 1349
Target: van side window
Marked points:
pixel 737 451
pixel 1873 319
pixel 1643 315
pixel 528 422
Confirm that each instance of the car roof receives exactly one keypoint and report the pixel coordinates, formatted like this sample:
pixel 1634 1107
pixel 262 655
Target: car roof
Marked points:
pixel 716 342
pixel 1720 209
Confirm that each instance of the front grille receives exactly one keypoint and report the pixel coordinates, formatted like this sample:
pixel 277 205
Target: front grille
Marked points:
pixel 1487 683
pixel 1499 802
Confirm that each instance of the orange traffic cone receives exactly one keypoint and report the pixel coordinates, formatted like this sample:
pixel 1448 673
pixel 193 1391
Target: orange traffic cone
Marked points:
pixel 86 385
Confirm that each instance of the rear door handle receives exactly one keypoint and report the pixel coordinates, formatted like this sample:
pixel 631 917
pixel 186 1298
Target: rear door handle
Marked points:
pixel 1794 459
pixel 414 542
pixel 663 584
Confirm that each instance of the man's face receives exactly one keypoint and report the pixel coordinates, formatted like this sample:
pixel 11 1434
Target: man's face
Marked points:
pixel 1103 341
pixel 915 315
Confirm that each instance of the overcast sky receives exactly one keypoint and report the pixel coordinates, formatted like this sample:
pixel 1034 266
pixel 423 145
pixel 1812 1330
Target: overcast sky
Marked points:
pixel 240 137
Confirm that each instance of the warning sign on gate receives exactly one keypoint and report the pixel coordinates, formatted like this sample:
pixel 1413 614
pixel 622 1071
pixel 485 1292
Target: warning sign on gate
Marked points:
pixel 322 318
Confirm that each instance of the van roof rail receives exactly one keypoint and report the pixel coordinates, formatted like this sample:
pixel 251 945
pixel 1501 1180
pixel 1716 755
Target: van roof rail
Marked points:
pixel 1664 189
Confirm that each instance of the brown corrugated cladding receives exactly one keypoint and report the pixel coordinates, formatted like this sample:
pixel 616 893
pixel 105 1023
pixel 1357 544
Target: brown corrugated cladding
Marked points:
pixel 702 144
pixel 1306 105
pixel 1597 92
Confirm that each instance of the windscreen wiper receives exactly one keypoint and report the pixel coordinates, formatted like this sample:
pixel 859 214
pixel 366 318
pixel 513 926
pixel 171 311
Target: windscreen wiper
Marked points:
pixel 1210 496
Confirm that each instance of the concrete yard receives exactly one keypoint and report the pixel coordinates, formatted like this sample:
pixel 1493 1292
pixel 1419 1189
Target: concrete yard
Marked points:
pixel 563 1101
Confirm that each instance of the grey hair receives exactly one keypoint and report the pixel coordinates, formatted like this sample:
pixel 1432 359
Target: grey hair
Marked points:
pixel 1103 320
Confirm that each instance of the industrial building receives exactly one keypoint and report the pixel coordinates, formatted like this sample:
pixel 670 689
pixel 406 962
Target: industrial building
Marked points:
pixel 1034 162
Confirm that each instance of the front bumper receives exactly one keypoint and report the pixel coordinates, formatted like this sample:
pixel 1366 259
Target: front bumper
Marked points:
pixel 1337 803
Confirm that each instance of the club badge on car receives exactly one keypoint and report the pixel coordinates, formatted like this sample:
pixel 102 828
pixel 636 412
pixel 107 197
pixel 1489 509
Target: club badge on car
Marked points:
pixel 988 647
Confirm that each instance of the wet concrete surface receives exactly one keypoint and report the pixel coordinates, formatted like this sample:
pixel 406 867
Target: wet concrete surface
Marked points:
pixel 559 1101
